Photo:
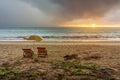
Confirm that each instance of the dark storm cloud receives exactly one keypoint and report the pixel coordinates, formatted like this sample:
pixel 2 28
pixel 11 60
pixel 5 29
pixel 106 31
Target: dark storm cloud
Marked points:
pixel 72 9
pixel 66 10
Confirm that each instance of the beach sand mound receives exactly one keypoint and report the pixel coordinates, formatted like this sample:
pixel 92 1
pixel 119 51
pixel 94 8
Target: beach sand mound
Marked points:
pixel 34 37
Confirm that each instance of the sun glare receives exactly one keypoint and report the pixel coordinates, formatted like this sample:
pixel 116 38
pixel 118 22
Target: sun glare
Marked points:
pixel 93 25
pixel 89 25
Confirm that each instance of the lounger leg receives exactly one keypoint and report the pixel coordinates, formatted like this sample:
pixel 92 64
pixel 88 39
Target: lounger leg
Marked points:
pixel 23 55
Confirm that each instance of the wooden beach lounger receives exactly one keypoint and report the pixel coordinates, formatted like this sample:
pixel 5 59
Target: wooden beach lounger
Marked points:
pixel 42 52
pixel 28 53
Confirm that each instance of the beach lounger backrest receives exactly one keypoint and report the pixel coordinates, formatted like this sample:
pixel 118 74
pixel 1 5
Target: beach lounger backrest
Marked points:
pixel 27 51
pixel 42 50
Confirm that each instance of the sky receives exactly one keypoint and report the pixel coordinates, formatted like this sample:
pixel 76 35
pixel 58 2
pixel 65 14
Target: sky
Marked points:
pixel 41 13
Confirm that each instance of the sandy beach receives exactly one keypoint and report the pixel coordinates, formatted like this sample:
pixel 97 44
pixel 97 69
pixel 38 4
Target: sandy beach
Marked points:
pixel 102 54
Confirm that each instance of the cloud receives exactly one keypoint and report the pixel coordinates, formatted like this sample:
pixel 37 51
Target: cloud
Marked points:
pixel 47 6
pixel 15 12
pixel 68 10
pixel 76 9
pixel 53 12
pixel 113 17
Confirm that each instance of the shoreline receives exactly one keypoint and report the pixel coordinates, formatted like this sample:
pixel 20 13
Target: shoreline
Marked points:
pixel 32 42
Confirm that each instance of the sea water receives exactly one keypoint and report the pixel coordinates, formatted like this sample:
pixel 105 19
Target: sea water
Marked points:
pixel 61 33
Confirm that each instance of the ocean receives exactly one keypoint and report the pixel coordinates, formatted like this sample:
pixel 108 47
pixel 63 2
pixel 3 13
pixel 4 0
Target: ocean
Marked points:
pixel 61 34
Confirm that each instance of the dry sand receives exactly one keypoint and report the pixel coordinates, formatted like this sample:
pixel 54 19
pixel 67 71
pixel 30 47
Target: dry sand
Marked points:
pixel 103 54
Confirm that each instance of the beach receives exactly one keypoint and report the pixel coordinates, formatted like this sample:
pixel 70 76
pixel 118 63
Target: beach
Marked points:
pixel 59 40
pixel 102 54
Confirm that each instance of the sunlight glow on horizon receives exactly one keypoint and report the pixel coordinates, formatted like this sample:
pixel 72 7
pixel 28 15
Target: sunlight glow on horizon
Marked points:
pixel 93 25
pixel 90 25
